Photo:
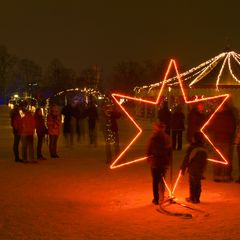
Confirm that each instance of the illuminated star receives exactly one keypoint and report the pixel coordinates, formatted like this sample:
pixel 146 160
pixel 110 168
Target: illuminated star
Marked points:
pixel 116 163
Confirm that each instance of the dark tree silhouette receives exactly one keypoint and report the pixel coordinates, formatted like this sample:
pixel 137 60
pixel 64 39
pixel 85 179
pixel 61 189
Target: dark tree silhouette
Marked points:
pixel 7 62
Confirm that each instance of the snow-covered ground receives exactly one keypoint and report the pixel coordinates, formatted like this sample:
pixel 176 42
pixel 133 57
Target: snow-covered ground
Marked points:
pixel 79 197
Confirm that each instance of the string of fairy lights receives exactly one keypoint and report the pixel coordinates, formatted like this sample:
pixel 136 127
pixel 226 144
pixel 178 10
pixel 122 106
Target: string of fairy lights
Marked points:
pixel 110 137
pixel 225 60
pixel 86 91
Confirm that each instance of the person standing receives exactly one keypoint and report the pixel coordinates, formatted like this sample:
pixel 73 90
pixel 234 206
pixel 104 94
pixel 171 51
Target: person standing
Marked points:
pixel 177 126
pixel 41 131
pixel 237 142
pixel 159 153
pixel 54 126
pixel 222 129
pixel 195 161
pixel 164 116
pixel 195 120
pixel 14 113
pixel 92 115
pixel 110 130
pixel 25 125
pixel 67 113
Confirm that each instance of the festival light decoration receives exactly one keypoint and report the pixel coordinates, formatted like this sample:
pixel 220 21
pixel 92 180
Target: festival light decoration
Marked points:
pixel 196 74
pixel 87 91
pixel 117 98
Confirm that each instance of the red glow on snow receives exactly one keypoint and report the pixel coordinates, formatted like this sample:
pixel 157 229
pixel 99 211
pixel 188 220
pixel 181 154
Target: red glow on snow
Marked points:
pixel 117 96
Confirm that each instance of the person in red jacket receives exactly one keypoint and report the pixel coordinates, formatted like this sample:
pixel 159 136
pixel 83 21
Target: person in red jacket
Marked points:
pixel 41 131
pixel 54 126
pixel 25 125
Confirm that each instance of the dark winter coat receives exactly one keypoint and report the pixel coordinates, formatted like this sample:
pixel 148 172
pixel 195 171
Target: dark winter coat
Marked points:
pixel 40 125
pixel 114 115
pixel 92 115
pixel 195 121
pixel 13 115
pixel 164 116
pixel 159 151
pixel 223 126
pixel 178 121
pixel 195 160
pixel 67 112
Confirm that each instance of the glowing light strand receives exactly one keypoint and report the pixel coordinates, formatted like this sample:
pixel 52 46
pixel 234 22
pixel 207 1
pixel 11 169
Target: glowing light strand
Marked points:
pixel 185 73
pixel 220 72
pixel 206 71
pixel 205 65
pixel 230 68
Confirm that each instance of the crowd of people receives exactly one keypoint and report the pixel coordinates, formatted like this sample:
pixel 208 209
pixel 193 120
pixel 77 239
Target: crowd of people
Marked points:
pixel 223 129
pixel 167 136
pixel 24 124
pixel 71 120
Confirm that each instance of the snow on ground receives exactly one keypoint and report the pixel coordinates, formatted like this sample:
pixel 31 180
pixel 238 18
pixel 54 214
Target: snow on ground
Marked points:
pixel 79 197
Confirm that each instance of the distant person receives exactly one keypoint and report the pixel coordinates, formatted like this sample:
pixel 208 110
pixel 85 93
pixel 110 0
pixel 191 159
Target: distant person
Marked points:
pixel 92 115
pixel 159 152
pixel 110 129
pixel 14 113
pixel 177 125
pixel 222 129
pixel 67 113
pixel 54 126
pixel 195 120
pixel 195 162
pixel 79 114
pixel 41 131
pixel 164 116
pixel 25 125
pixel 237 142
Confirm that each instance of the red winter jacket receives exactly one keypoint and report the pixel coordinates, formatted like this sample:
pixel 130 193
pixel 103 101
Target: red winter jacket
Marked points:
pixel 54 124
pixel 25 125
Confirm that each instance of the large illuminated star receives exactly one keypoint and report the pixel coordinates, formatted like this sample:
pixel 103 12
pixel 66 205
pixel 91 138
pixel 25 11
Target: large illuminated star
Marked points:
pixel 116 163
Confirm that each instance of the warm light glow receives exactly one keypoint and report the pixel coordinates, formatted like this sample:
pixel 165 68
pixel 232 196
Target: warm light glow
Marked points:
pixel 117 98
pixel 195 74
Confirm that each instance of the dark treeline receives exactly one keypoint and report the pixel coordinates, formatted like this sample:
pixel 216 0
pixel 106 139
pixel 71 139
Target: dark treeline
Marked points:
pixel 26 76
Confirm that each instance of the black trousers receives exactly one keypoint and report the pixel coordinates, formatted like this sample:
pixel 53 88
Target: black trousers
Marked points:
pixel 195 187
pixel 16 142
pixel 109 146
pixel 27 148
pixel 92 136
pixel 158 184
pixel 53 145
pixel 177 139
pixel 224 172
pixel 39 145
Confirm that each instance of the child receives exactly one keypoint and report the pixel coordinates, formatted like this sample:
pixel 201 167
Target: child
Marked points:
pixel 54 126
pixel 195 161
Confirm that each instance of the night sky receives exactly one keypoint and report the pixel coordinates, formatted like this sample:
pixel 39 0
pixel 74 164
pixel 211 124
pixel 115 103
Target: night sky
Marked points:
pixel 81 33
